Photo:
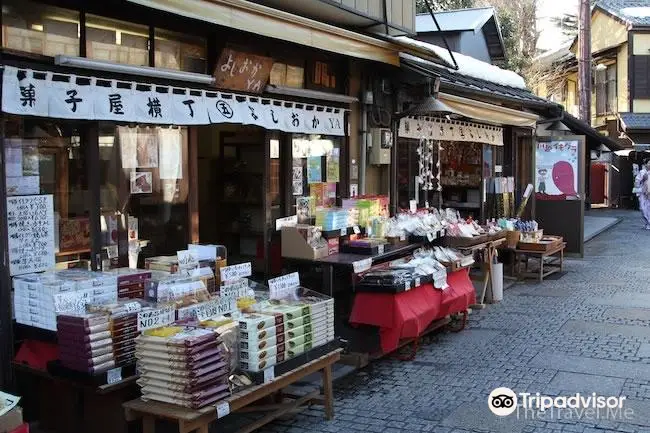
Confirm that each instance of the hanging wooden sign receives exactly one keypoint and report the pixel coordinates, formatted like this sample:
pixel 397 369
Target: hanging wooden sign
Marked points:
pixel 237 70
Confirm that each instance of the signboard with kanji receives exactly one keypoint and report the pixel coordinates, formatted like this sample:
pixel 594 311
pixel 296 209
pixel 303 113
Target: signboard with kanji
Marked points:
pixel 237 70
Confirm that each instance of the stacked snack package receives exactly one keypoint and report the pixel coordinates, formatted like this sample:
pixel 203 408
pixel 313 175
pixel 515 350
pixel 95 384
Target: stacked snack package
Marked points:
pixel 182 366
pixel 85 342
pixel 123 327
pixel 281 330
pixel 130 282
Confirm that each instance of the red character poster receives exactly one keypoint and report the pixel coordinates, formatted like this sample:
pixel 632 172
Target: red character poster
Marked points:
pixel 556 170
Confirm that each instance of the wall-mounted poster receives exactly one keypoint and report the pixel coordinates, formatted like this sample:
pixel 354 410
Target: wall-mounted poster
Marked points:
pixel 30 233
pixel 556 170
pixel 141 182
pixel 314 169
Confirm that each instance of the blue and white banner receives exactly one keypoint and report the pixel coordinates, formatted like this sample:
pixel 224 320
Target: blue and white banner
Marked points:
pixel 47 94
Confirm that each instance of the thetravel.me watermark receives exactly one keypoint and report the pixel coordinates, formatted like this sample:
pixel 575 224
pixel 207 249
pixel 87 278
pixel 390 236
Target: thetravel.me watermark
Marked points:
pixel 528 406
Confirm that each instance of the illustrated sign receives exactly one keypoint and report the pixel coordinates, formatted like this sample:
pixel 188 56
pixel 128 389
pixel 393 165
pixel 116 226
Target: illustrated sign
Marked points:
pixel 237 70
pixel 556 169
pixel 282 286
pixel 32 93
pixel 30 231
pixel 155 318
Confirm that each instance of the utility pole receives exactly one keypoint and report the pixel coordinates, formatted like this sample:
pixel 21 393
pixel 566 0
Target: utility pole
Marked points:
pixel 584 61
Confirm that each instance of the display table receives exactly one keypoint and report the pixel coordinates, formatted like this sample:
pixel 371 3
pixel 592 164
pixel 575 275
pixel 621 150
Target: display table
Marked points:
pixel 409 314
pixel 198 421
pixel 551 260
pixel 346 261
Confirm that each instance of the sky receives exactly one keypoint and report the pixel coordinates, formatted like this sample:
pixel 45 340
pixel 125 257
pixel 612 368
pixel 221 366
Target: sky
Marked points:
pixel 550 36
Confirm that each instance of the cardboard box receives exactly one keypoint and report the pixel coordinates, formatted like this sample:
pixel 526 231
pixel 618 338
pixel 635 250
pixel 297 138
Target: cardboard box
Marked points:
pixel 295 245
pixel 11 420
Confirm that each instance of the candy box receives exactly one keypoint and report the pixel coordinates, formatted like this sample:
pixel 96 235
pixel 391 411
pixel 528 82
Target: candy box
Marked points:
pixel 252 321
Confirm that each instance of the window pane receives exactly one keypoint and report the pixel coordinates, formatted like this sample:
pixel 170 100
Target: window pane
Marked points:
pixel 180 52
pixel 144 189
pixel 117 41
pixel 45 157
pixel 39 29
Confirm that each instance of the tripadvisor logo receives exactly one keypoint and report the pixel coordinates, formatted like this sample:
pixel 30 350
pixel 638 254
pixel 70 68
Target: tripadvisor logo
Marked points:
pixel 504 401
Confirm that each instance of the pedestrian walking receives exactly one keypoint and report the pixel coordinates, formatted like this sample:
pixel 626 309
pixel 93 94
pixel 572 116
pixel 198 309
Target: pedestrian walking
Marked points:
pixel 642 188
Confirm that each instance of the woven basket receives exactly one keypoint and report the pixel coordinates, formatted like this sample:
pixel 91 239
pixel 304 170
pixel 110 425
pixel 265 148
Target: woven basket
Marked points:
pixel 512 238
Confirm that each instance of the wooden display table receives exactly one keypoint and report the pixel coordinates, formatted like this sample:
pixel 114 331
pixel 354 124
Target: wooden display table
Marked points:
pixel 198 421
pixel 554 251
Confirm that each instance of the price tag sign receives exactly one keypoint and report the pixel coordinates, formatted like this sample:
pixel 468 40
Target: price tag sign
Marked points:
pixel 72 302
pixel 187 259
pixel 344 232
pixel 132 307
pixel 223 409
pixel 215 308
pixel 280 287
pixel 114 375
pixel 269 374
pixel 380 249
pixel 155 318
pixel 362 265
pixel 402 237
pixel 426 204
pixel 413 206
pixel 289 221
pixel 236 272
pixel 407 286
pixel 236 289
pixel 187 312
pixel 430 236
pixel 356 230
pixel 418 282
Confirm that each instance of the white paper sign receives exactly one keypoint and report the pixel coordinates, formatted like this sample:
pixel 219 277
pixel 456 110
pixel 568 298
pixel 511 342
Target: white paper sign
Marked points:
pixel 215 308
pixel 356 230
pixel 72 302
pixel 413 206
pixel 289 221
pixel 269 374
pixel 237 289
pixel 235 272
pixel 204 252
pixel 30 230
pixel 114 375
pixel 187 259
pixel 23 185
pixel 380 248
pixel 362 265
pixel 7 402
pixel 282 286
pixel 223 409
pixel 132 307
pixel 155 318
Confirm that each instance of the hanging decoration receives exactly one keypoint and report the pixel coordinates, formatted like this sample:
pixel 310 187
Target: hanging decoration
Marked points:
pixel 425 153
pixel 65 96
pixel 450 130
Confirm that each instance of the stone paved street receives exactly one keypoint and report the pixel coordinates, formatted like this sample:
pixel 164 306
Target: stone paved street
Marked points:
pixel 588 331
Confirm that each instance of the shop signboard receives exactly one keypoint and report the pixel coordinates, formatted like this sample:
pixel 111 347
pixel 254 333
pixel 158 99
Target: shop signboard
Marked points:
pixel 237 70
pixel 25 94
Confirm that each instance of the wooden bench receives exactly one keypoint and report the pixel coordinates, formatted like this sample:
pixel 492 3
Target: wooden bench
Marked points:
pixel 198 421
pixel 546 267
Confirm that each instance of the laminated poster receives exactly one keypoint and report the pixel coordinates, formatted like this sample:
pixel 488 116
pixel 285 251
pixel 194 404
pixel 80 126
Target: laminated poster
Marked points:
pixel 141 182
pixel 333 164
pixel 556 169
pixel 297 181
pixel 30 233
pixel 314 169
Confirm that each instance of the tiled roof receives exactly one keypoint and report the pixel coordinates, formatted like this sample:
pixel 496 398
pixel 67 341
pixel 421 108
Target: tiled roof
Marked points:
pixel 635 12
pixel 635 120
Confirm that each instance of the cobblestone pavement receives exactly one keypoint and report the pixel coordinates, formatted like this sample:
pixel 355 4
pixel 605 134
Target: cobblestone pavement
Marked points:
pixel 587 331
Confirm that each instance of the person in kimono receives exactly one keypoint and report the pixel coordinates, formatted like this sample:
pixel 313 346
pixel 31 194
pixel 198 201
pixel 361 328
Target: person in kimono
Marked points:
pixel 641 185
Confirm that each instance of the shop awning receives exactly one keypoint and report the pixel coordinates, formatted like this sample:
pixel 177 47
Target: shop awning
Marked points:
pixel 273 23
pixel 37 93
pixel 489 113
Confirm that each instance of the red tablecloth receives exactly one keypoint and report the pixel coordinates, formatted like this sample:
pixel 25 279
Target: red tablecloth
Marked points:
pixel 408 314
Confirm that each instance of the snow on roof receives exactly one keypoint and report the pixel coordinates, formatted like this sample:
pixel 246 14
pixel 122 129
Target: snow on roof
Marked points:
pixel 469 66
pixel 456 20
pixel 640 12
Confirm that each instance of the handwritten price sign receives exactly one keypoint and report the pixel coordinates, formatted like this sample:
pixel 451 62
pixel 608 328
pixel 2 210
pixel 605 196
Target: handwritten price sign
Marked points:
pixel 155 318
pixel 72 302
pixel 236 272
pixel 218 307
pixel 282 286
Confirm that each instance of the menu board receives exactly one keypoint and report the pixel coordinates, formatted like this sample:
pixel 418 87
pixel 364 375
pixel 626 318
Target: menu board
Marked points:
pixel 30 229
